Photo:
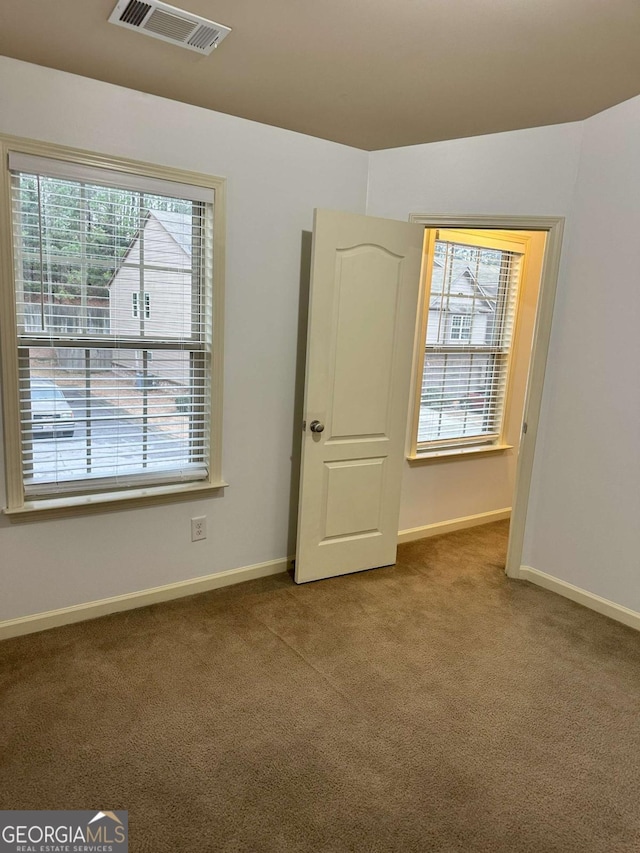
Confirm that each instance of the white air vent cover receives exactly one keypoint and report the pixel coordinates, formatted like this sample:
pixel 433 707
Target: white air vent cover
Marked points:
pixel 165 22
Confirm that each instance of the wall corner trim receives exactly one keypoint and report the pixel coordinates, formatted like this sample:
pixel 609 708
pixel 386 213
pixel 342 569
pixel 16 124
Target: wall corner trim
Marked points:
pixel 440 527
pixel 130 601
pixel 628 617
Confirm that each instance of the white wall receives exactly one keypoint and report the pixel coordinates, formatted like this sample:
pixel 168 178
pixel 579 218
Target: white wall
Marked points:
pixel 524 172
pixel 582 524
pixel 585 502
pixel 527 172
pixel 275 179
pixel 584 512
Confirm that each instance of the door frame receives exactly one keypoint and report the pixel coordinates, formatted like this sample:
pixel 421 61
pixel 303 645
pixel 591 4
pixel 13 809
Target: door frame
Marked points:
pixel 554 228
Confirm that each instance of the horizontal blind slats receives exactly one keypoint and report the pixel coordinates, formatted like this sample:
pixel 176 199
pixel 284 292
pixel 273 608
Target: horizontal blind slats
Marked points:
pixel 470 324
pixel 114 329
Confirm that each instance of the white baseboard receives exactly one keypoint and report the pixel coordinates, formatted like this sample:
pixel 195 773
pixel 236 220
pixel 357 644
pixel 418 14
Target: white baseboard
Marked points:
pixel 131 600
pixel 582 596
pixel 441 527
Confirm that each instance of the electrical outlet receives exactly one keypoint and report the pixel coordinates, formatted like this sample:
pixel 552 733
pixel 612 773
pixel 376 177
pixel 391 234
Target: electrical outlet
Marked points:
pixel 198 528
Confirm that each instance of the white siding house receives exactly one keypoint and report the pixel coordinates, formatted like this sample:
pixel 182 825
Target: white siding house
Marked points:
pixel 462 313
pixel 151 295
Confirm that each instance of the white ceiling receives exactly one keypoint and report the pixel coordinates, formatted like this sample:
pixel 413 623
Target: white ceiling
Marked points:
pixel 368 73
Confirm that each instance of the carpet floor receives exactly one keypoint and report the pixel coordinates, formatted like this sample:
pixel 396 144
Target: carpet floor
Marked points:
pixel 431 706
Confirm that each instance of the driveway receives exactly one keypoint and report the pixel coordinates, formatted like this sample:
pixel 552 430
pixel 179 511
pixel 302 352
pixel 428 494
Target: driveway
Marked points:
pixel 117 444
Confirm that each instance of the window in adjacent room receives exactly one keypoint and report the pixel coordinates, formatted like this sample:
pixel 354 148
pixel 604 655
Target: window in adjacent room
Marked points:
pixel 468 330
pixel 108 398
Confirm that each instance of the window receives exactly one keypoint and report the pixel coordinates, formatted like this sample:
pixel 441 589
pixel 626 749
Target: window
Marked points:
pixel 460 327
pixel 110 399
pixel 468 330
pixel 135 301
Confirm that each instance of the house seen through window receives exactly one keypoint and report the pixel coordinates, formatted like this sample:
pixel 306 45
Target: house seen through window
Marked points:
pixel 112 394
pixel 469 328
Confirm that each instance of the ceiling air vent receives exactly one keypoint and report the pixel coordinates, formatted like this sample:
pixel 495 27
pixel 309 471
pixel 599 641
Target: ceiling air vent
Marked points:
pixel 165 22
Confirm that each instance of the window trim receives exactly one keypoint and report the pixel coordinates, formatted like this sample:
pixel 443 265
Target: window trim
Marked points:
pixel 18 508
pixel 444 230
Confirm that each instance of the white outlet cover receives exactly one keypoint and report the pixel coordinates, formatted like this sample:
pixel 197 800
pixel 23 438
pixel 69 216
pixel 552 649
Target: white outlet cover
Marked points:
pixel 198 528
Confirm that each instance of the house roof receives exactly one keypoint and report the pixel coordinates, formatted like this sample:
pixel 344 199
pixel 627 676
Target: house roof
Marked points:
pixel 179 226
pixel 483 283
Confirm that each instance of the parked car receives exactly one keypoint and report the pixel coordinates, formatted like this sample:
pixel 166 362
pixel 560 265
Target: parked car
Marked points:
pixel 50 412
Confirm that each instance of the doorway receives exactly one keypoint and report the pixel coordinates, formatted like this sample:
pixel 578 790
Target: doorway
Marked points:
pixel 361 344
pixel 471 435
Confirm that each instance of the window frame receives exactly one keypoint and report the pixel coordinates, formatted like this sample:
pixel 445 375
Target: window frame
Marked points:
pixel 460 323
pixel 458 448
pixel 18 508
pixel 135 305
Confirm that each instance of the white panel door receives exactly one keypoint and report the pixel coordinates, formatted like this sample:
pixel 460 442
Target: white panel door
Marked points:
pixel 365 280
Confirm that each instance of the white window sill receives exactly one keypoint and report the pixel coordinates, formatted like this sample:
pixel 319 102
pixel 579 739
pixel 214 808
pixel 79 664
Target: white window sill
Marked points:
pixel 68 505
pixel 456 453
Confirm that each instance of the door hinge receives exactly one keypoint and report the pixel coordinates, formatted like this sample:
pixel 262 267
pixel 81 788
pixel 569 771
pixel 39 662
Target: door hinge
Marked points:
pixel 304 425
pixel 524 428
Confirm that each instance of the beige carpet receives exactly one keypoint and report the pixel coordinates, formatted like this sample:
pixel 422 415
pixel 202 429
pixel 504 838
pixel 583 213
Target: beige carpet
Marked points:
pixel 432 706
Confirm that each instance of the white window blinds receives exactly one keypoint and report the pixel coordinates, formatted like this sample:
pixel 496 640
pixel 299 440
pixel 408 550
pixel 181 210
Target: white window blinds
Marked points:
pixel 469 331
pixel 114 327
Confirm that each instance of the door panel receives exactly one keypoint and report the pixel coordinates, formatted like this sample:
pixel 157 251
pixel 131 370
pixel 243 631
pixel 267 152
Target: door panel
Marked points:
pixel 345 517
pixel 367 286
pixel 362 319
